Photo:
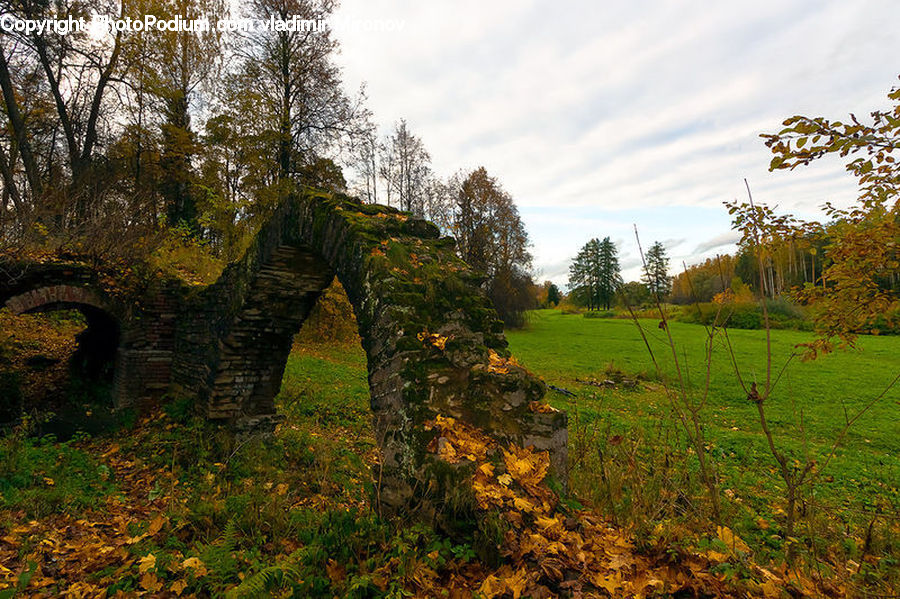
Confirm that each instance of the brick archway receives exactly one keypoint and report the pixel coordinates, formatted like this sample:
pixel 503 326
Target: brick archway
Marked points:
pixel 427 328
pixel 99 345
pixel 55 296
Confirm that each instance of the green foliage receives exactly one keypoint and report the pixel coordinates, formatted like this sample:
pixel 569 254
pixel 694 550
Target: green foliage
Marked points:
pixel 745 315
pixel 331 320
pixel 180 409
pixel 859 281
pixel 491 238
pixel 656 271
pixel 553 295
pixel 42 477
pixel 633 295
pixel 181 255
pixel 594 276
pixel 702 282
pixel 265 582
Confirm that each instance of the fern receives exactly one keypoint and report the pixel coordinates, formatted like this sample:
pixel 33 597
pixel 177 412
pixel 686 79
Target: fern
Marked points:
pixel 265 581
pixel 230 536
pixel 218 556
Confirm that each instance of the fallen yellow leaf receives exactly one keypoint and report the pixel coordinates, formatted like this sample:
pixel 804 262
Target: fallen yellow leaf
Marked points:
pixel 148 562
pixel 734 542
pixel 178 587
pixel 156 525
pixel 150 582
pixel 196 565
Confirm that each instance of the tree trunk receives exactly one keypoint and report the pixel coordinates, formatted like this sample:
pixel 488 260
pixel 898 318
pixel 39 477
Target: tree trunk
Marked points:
pixel 18 127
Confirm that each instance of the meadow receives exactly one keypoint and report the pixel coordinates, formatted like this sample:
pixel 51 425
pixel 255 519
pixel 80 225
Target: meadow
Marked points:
pixel 810 403
pixel 629 456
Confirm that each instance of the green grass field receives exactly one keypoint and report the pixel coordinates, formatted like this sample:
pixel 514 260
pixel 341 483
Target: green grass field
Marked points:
pixel 806 412
pixel 562 348
pixel 328 387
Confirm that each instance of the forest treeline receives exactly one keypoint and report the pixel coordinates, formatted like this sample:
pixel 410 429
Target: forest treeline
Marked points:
pixel 844 271
pixel 120 143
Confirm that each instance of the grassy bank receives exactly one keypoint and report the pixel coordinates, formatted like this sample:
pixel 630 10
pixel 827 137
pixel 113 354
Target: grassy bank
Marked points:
pixel 629 455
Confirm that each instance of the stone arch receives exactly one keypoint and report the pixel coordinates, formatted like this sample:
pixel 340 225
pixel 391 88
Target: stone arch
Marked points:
pixel 144 316
pixel 57 296
pixel 99 345
pixel 428 331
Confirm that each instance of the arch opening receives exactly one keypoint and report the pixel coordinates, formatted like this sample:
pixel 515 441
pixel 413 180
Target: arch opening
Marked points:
pixel 63 366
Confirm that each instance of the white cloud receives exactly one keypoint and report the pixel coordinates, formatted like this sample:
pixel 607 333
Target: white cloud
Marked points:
pixel 620 106
pixel 723 240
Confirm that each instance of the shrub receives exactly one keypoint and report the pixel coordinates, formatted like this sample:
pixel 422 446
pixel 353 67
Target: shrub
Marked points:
pixel 745 315
pixel 887 324
pixel 567 307
pixel 599 314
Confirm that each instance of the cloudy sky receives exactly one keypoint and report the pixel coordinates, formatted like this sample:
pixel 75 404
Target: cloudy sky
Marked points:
pixel 600 115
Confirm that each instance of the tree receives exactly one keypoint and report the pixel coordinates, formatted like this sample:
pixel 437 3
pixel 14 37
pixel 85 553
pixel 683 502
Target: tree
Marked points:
pixel 594 274
pixel 299 103
pixel 553 295
pixel 492 238
pixel 365 162
pixel 179 62
pixel 702 282
pixel 77 73
pixel 656 275
pixel 584 276
pixel 472 217
pixel 610 277
pixel 857 284
pixel 634 294
pixel 406 170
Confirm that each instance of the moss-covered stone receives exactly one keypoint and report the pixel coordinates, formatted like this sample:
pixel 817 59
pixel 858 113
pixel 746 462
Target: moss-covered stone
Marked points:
pixel 427 328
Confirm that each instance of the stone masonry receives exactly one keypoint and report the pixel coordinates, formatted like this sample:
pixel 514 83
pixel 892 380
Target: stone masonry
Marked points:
pixel 427 328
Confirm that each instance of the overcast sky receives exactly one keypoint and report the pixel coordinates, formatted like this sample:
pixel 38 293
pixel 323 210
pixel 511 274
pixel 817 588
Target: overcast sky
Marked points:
pixel 600 115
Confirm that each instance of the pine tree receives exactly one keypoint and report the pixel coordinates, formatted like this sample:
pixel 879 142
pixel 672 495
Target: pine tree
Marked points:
pixel 656 271
pixel 583 275
pixel 553 295
pixel 610 278
pixel 594 275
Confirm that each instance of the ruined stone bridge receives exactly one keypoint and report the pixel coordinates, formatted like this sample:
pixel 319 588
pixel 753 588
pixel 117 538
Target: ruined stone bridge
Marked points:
pixel 428 331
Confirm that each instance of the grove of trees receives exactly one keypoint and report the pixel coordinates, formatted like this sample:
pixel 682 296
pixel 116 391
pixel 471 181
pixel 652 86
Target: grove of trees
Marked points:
pixel 594 276
pixel 111 144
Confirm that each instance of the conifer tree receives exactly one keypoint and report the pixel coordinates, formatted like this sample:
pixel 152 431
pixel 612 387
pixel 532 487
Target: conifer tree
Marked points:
pixel 656 270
